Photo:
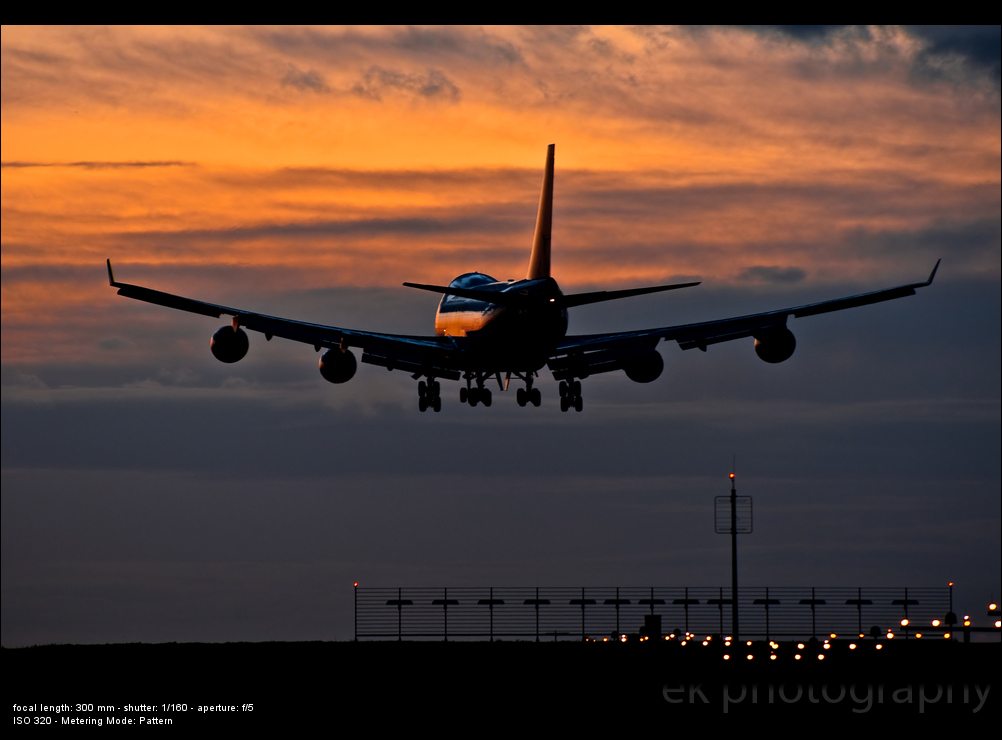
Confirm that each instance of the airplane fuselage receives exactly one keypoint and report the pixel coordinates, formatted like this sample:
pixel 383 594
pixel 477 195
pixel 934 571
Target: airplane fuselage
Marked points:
pixel 505 338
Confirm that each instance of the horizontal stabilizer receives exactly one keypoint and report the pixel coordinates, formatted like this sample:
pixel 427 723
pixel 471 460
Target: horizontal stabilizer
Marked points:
pixel 522 300
pixel 581 299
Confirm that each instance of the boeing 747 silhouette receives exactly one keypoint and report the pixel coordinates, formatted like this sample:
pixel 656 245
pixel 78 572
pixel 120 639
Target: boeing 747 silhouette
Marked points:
pixel 486 329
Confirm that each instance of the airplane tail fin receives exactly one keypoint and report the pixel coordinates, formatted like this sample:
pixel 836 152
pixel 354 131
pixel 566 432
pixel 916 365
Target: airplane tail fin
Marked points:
pixel 539 261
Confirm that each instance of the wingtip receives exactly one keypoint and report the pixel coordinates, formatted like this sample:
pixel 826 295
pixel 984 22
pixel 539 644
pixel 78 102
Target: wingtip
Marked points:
pixel 111 275
pixel 933 273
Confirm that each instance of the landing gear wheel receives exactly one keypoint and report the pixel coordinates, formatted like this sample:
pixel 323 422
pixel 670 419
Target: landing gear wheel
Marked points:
pixel 535 397
pixel 485 396
pixel 563 389
pixel 564 404
pixel 422 389
pixel 437 404
pixel 575 388
pixel 473 396
pixel 578 404
pixel 520 396
pixel 422 404
pixel 462 395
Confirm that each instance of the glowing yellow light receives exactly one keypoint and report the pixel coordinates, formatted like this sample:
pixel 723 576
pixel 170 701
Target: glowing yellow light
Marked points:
pixel 727 657
pixel 748 643
pixel 749 656
pixel 998 623
pixel 826 642
pixel 832 635
pixel 820 656
pixel 800 646
pixel 683 642
pixel 993 607
pixel 904 622
pixel 935 623
pixel 951 583
pixel 797 656
pixel 727 643
pixel 826 646
pixel 622 638
pixel 356 584
pixel 918 634
pixel 705 643
pixel 967 622
pixel 772 657
pixel 852 646
pixel 946 635
pixel 880 647
pixel 890 635
pixel 732 475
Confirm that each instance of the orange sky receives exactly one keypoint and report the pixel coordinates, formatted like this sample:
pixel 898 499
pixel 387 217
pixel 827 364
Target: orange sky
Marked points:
pixel 365 157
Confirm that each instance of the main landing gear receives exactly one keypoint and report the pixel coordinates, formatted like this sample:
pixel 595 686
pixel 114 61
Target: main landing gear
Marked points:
pixel 570 395
pixel 429 395
pixel 473 396
pixel 528 395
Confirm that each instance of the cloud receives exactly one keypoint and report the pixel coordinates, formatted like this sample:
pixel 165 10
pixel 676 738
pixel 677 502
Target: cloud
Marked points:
pixel 772 274
pixel 432 84
pixel 309 80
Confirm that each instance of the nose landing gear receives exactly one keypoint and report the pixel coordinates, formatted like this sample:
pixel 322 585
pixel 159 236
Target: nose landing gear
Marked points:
pixel 570 395
pixel 429 395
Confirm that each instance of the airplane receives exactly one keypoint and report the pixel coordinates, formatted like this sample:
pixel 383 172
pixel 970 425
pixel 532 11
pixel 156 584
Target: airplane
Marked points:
pixel 486 328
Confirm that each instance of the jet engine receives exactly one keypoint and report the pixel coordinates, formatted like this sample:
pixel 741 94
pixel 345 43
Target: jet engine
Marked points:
pixel 229 345
pixel 775 344
pixel 645 368
pixel 338 366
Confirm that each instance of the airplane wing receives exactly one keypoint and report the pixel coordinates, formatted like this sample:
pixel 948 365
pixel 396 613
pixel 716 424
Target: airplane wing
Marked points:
pixel 433 355
pixel 589 354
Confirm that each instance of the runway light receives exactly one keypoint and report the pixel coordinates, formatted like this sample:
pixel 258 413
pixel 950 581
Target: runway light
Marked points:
pixel 935 623
pixel 820 656
pixel 683 643
pixel 890 635
pixel 727 657
pixel 993 607
pixel 904 622
pixel 862 636
pixel 748 643
pixel 727 643
pixel 946 635
pixel 826 646
pixel 998 623
pixel 750 656
pixel 800 646
pixel 967 622
pixel 918 634
pixel 356 584
pixel 622 638
pixel 880 647
pixel 772 657
pixel 852 646
pixel 826 642
pixel 832 635
pixel 797 656
pixel 705 643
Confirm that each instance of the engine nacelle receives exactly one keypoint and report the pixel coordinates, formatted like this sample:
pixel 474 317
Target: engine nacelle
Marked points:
pixel 645 368
pixel 775 344
pixel 228 345
pixel 337 366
